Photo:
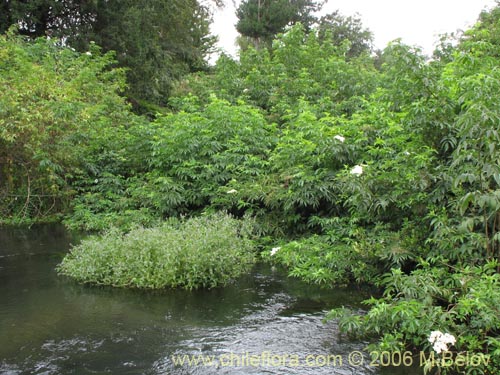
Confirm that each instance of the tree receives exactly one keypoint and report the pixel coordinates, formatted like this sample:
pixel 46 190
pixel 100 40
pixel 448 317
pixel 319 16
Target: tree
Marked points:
pixel 261 20
pixel 340 28
pixel 487 29
pixel 157 40
pixel 64 18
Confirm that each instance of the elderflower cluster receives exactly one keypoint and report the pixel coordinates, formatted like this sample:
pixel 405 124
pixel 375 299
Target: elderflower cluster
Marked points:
pixel 338 137
pixel 357 170
pixel 440 341
pixel 274 250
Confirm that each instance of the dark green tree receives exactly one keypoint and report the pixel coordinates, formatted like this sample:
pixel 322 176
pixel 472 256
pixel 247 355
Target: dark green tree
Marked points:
pixel 261 20
pixel 339 29
pixel 157 40
pixel 63 18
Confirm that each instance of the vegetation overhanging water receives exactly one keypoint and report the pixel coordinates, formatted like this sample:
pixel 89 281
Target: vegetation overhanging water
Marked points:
pixel 51 325
pixel 357 166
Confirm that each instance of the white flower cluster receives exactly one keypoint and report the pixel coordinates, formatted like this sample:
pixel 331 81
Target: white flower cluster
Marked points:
pixel 338 137
pixel 440 341
pixel 274 250
pixel 357 170
pixel 232 191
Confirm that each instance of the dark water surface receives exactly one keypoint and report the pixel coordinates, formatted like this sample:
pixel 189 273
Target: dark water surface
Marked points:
pixel 264 323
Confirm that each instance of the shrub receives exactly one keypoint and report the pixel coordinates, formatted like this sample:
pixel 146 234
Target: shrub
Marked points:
pixel 206 251
pixel 463 301
pixel 59 112
pixel 318 260
pixel 346 252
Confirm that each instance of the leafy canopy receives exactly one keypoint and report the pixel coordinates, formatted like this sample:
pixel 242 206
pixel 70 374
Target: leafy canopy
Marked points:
pixel 157 41
pixel 262 20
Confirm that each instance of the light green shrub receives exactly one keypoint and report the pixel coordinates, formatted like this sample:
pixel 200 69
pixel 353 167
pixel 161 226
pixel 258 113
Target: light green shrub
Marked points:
pixel 435 296
pixel 206 251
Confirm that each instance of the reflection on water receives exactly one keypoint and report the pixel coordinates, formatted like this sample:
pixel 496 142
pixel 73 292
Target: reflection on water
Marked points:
pixel 50 325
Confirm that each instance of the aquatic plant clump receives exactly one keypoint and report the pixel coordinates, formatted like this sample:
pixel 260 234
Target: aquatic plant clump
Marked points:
pixel 202 252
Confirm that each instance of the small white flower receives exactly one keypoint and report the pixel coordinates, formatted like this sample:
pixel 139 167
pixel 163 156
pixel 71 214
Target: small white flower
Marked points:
pixel 357 170
pixel 440 347
pixel 435 335
pixel 441 341
pixel 232 191
pixel 96 181
pixel 274 250
pixel 448 339
pixel 246 90
pixel 406 153
pixel 339 138
pixel 88 53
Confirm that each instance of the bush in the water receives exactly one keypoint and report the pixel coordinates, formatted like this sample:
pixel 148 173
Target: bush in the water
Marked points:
pixel 206 252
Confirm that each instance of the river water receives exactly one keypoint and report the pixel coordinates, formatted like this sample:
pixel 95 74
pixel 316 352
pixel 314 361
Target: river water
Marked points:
pixel 264 323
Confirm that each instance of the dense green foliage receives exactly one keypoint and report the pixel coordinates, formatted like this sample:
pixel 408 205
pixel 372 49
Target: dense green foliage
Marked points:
pixel 435 296
pixel 382 171
pixel 207 251
pixel 262 20
pixel 187 162
pixel 58 111
pixel 158 41
pixel 344 29
pixel 38 18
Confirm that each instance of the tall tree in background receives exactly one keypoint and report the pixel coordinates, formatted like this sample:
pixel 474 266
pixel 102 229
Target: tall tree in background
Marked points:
pixel 36 18
pixel 487 27
pixel 261 20
pixel 157 40
pixel 339 28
